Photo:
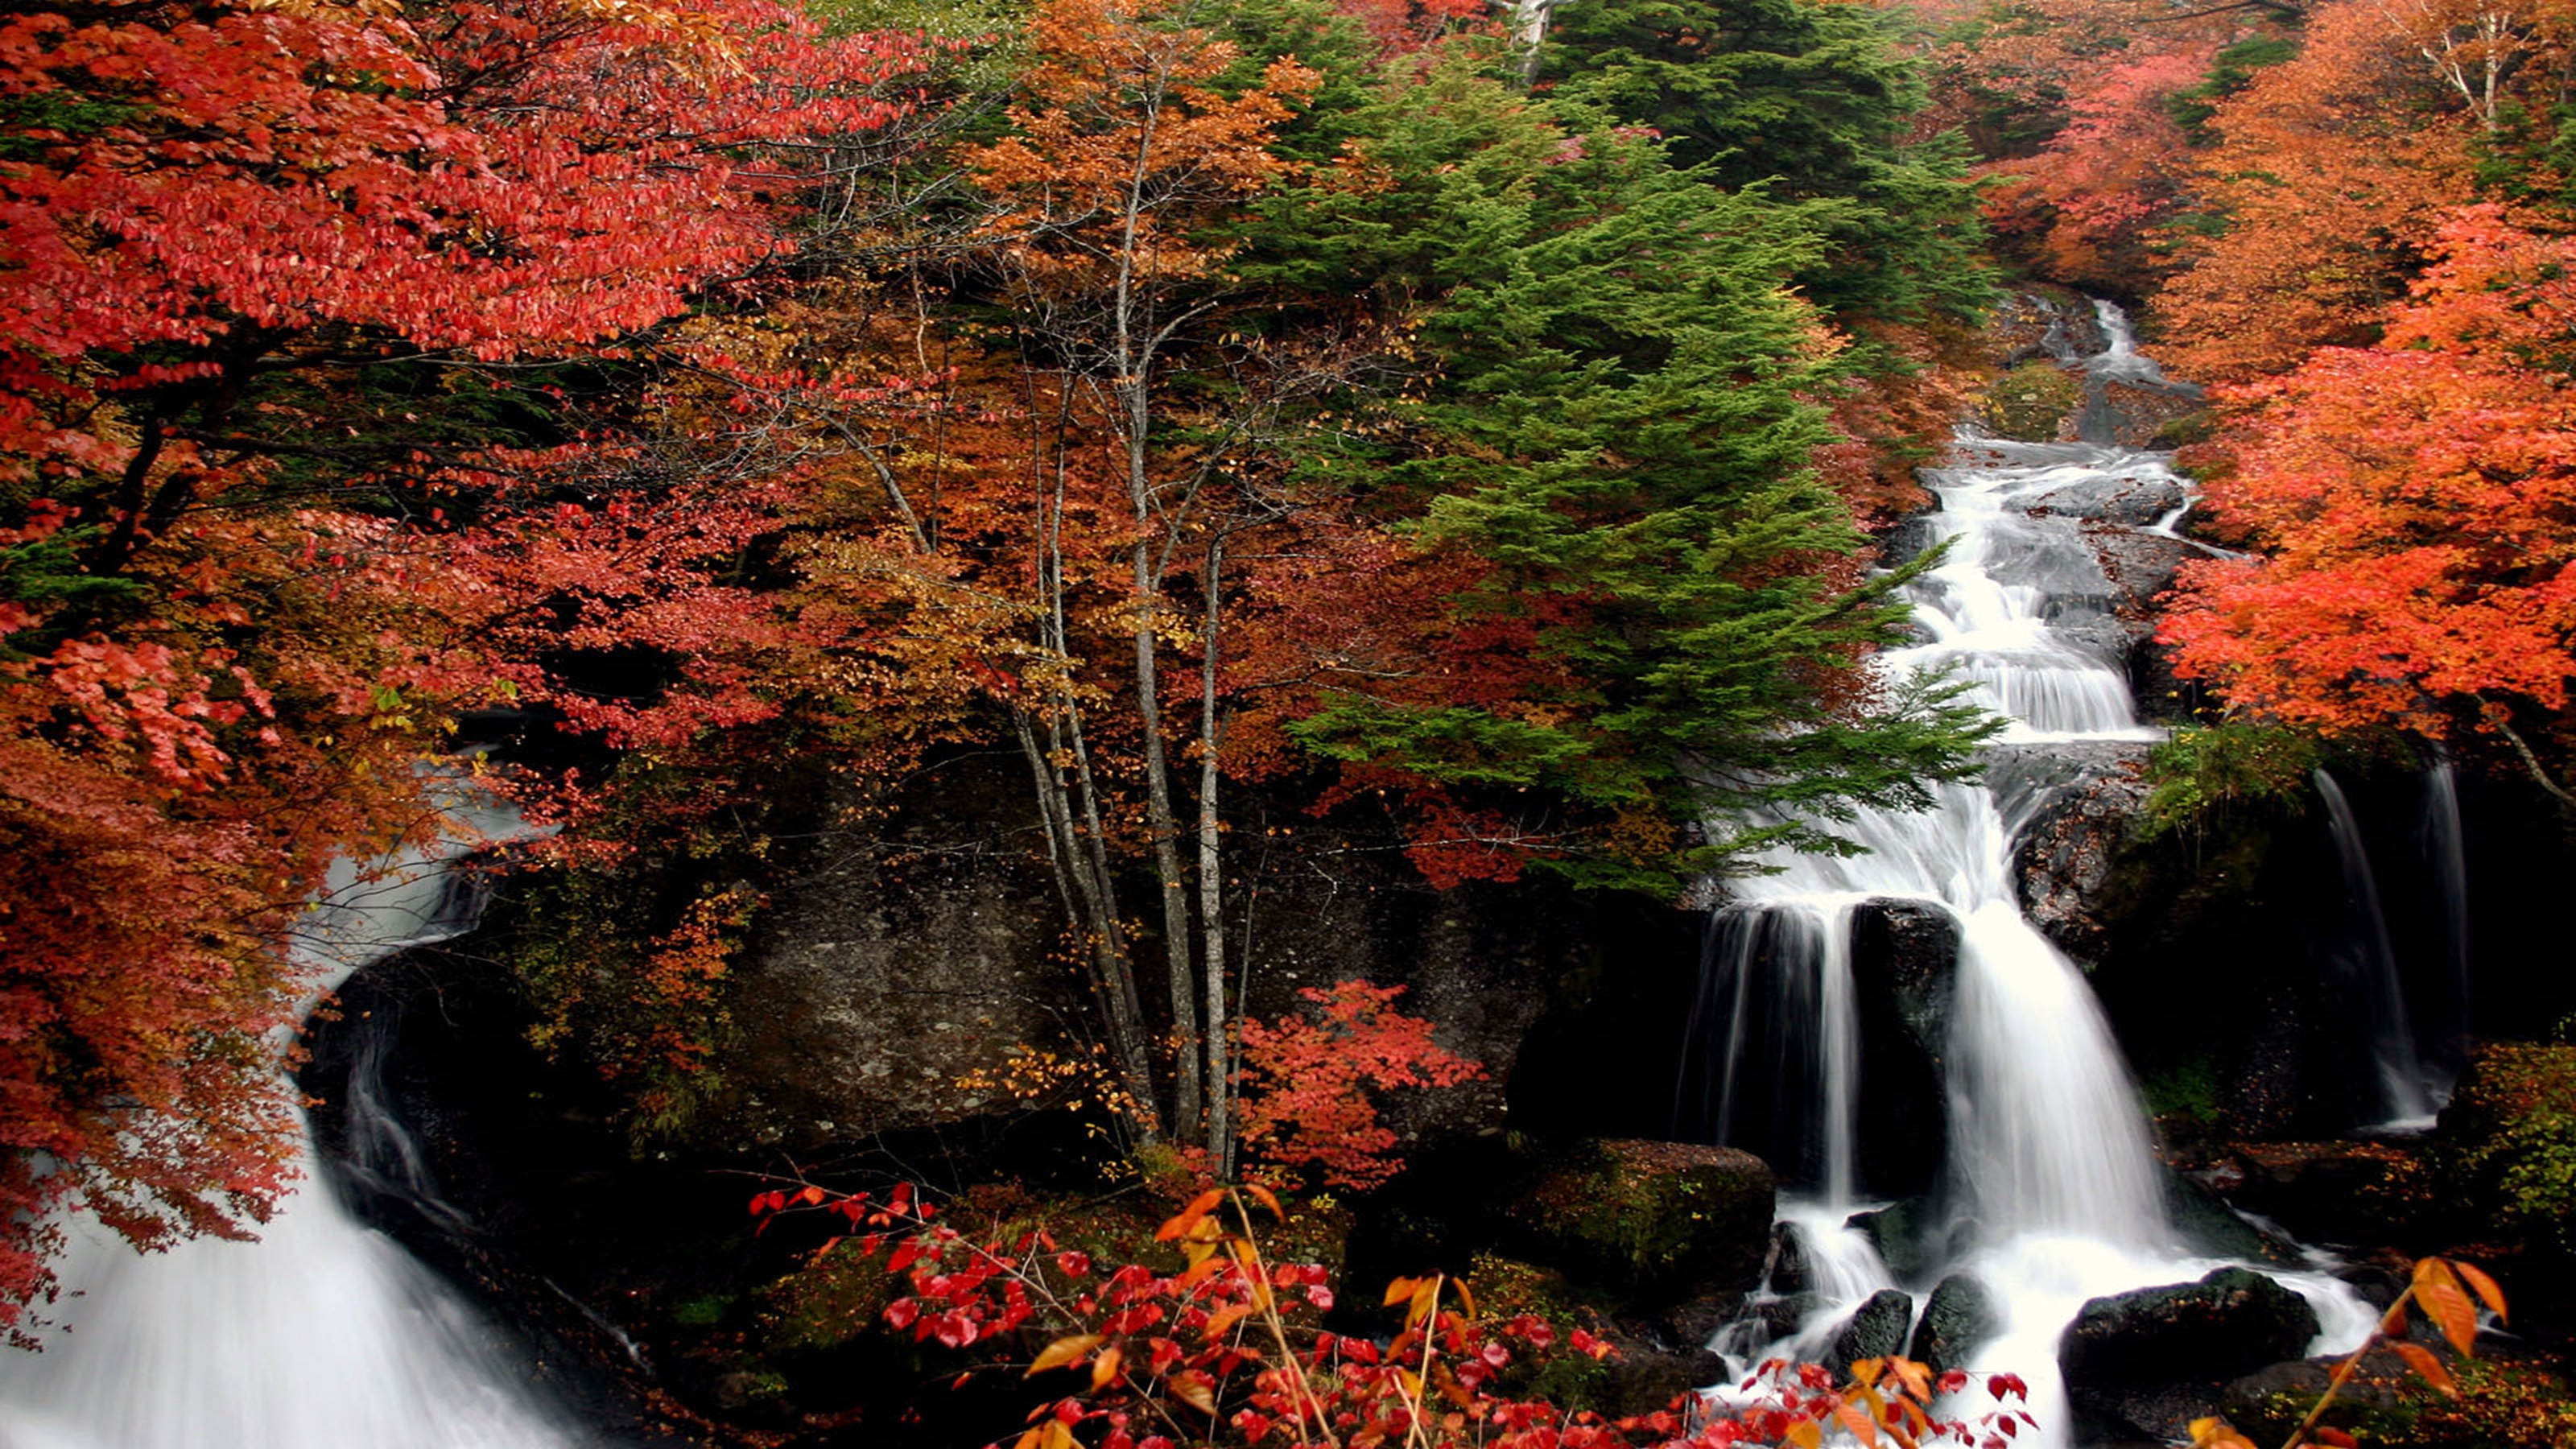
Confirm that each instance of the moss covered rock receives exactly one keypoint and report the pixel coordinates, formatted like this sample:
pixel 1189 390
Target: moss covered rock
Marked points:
pixel 2030 401
pixel 1658 1220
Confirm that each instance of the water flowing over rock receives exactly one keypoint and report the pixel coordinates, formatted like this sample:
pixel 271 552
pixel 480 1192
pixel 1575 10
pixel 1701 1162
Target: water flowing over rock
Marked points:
pixel 323 1333
pixel 2049 1193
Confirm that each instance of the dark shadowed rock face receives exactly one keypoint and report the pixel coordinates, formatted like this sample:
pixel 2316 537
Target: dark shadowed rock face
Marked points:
pixel 2072 810
pixel 1875 1330
pixel 1957 1321
pixel 1905 959
pixel 2332 1192
pixel 915 949
pixel 2226 1325
pixel 1910 1237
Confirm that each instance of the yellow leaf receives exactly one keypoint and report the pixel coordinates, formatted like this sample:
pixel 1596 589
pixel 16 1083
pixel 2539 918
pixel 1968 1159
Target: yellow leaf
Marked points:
pixel 1054 1435
pixel 2487 1291
pixel 1195 1391
pixel 1064 1351
pixel 1400 1290
pixel 2426 1366
pixel 1225 1318
pixel 1916 1377
pixel 1105 1368
pixel 1868 1370
pixel 2446 1304
pixel 1806 1435
pixel 1266 1198
pixel 1425 1298
pixel 1857 1419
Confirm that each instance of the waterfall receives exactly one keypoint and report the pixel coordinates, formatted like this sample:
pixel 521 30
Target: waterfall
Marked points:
pixel 2052 1194
pixel 1789 1092
pixel 2365 976
pixel 323 1333
pixel 2447 844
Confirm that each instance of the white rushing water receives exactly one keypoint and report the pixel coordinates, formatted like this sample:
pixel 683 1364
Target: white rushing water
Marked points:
pixel 2052 1192
pixel 323 1333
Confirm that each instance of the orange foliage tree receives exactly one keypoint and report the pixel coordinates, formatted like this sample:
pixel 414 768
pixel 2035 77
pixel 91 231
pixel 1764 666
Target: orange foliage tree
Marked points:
pixel 2414 500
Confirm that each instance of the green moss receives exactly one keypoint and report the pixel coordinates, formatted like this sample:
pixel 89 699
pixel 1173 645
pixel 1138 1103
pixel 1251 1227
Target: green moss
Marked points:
pixel 2029 401
pixel 2499 1406
pixel 2184 1093
pixel 704 1312
pixel 1652 1216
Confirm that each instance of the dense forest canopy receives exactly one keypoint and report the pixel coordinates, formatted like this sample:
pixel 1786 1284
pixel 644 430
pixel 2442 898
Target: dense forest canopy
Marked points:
pixel 1347 408
pixel 1193 400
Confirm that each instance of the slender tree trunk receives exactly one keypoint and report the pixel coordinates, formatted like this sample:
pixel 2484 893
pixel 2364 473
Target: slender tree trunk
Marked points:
pixel 1220 1084
pixel 1061 767
pixel 1133 387
pixel 1529 32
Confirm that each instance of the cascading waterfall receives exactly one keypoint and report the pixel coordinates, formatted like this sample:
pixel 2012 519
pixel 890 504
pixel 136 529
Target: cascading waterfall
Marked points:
pixel 2365 968
pixel 323 1333
pixel 2053 1193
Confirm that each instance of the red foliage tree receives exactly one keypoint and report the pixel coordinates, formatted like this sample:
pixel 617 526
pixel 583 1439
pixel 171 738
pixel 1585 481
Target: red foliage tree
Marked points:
pixel 237 234
pixel 1307 1083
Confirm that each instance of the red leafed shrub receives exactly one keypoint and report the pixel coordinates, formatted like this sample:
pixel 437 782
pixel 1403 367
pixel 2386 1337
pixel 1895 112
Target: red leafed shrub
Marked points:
pixel 1212 1344
pixel 1307 1082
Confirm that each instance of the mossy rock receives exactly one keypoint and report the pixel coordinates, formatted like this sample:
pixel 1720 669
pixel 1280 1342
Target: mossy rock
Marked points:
pixel 1960 1319
pixel 2028 402
pixel 2386 1405
pixel 1657 1220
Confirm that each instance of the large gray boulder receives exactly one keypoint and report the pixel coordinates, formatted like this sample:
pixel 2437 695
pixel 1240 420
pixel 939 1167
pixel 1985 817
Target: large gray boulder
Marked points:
pixel 2228 1324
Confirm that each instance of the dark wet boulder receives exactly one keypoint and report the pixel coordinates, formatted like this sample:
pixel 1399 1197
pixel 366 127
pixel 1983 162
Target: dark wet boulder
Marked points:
pixel 2226 1325
pixel 1958 1320
pixel 1909 1236
pixel 2271 1401
pixel 1653 1219
pixel 1789 1269
pixel 2072 812
pixel 2332 1192
pixel 1875 1330
pixel 2216 1230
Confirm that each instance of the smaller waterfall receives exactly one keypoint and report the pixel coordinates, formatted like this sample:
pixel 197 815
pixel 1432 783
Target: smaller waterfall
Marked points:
pixel 2365 972
pixel 2447 844
pixel 322 1333
pixel 1776 984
